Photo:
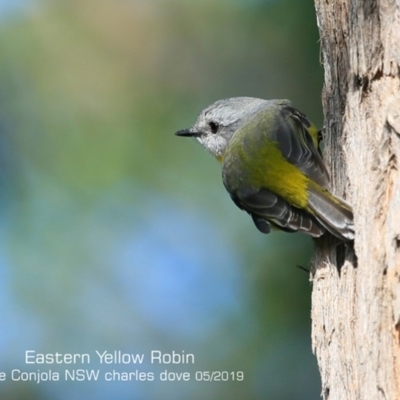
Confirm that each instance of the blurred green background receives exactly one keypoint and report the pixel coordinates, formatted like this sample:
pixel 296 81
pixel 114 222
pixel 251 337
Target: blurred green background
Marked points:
pixel 117 235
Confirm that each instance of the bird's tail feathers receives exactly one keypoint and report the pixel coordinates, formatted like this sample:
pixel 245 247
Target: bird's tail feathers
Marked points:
pixel 333 213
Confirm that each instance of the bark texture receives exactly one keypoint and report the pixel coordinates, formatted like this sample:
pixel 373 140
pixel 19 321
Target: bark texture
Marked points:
pixel 356 289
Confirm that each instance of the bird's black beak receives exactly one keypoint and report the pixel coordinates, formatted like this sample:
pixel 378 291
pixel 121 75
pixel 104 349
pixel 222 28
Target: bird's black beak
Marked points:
pixel 189 132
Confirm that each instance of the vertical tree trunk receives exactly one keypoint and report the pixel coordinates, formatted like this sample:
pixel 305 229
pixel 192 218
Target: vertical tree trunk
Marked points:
pixel 356 290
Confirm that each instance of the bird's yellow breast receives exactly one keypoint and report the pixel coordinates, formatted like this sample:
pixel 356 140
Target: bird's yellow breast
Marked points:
pixel 260 164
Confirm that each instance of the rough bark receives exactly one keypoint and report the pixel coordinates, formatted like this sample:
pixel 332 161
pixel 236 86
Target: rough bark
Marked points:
pixel 356 288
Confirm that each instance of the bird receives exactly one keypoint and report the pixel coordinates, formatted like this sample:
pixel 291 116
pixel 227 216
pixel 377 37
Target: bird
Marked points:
pixel 272 166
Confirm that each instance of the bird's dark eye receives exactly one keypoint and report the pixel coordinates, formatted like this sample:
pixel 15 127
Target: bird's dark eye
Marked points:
pixel 214 126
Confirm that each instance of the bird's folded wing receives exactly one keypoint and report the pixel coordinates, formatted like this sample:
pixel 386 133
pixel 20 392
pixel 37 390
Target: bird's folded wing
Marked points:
pixel 298 147
pixel 267 208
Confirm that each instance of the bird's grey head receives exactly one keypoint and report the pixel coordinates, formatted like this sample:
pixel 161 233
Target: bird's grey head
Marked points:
pixel 217 123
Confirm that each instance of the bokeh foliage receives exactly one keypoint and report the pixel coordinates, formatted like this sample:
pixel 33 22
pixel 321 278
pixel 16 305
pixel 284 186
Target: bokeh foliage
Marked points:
pixel 118 235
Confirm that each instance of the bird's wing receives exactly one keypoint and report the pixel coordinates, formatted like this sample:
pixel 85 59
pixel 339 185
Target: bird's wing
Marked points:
pixel 296 138
pixel 267 208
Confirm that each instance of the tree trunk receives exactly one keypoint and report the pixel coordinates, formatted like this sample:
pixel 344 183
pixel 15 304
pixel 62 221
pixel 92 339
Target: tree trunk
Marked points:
pixel 356 287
